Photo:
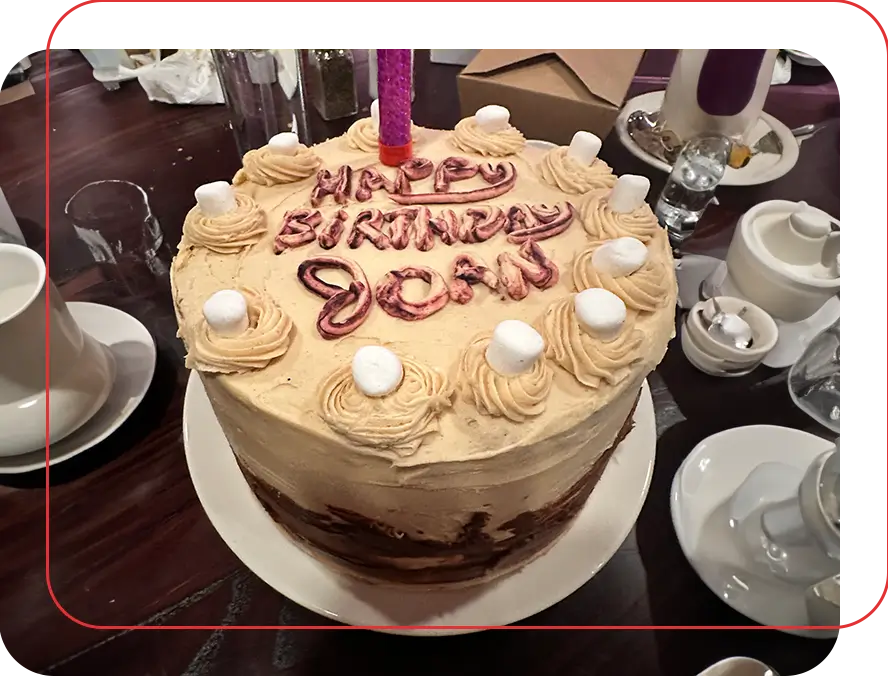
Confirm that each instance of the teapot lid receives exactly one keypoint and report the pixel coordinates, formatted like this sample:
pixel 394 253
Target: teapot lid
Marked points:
pixel 809 222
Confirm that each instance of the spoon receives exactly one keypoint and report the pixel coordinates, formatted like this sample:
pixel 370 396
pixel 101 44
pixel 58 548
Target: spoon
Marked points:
pixel 729 328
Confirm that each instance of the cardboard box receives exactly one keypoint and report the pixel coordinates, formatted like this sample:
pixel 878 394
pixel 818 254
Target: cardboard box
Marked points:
pixel 551 94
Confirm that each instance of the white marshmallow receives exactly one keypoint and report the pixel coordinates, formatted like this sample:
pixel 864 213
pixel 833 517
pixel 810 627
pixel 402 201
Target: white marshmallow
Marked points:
pixel 601 313
pixel 492 118
pixel 584 147
pixel 285 143
pixel 514 348
pixel 619 257
pixel 376 370
pixel 226 312
pixel 215 199
pixel 374 112
pixel 628 194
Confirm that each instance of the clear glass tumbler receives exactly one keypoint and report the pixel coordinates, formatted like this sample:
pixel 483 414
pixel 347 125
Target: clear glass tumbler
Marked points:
pixel 114 220
pixel 814 381
pixel 697 171
pixel 265 94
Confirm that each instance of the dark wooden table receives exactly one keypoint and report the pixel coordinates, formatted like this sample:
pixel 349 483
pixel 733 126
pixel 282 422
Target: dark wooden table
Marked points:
pixel 130 542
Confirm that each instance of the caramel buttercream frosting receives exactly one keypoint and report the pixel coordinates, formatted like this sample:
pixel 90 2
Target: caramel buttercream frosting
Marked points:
pixel 601 222
pixel 469 137
pixel 267 337
pixel 590 360
pixel 364 135
pixel 265 167
pixel 399 421
pixel 561 171
pixel 229 233
pixel 515 397
pixel 643 290
pixel 418 484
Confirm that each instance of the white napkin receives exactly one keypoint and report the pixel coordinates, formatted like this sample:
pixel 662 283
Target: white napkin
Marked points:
pixel 185 77
pixel 782 70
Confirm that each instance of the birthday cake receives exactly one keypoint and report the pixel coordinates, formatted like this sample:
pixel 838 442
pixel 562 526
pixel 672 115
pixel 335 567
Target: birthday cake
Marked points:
pixel 423 371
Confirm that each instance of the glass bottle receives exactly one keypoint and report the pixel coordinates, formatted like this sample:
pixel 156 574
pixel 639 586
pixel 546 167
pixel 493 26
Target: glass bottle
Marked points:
pixel 691 185
pixel 331 82
pixel 264 92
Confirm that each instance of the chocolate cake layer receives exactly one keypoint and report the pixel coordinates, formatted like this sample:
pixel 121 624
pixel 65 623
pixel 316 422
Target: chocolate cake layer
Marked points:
pixel 371 548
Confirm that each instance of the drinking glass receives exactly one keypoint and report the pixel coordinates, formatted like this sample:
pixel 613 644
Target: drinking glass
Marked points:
pixel 265 94
pixel 691 186
pixel 114 220
pixel 814 379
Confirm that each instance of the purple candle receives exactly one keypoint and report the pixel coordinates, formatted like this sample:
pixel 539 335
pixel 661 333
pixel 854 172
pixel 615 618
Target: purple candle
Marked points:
pixel 727 80
pixel 394 78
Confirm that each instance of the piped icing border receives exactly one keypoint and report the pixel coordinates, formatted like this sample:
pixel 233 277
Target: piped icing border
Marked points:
pixel 399 421
pixel 601 222
pixel 516 397
pixel 363 135
pixel 641 290
pixel 592 361
pixel 229 233
pixel 566 174
pixel 469 137
pixel 267 337
pixel 263 166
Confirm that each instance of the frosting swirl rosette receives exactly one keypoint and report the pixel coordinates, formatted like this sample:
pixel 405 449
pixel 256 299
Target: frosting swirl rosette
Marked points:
pixel 514 397
pixel 229 233
pixel 266 338
pixel 469 137
pixel 590 360
pixel 264 167
pixel 641 290
pixel 603 223
pixel 561 171
pixel 398 421
pixel 364 135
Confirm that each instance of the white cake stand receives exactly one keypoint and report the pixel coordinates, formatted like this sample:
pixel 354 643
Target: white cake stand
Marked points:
pixel 596 534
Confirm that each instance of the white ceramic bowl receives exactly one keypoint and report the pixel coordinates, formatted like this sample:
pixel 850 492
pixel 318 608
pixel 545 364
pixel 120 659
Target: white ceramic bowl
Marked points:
pixel 717 359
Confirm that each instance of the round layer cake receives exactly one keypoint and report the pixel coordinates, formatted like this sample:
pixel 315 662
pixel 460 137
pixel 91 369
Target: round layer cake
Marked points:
pixel 463 472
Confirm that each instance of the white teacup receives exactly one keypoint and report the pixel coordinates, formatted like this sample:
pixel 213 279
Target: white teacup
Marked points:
pixel 81 370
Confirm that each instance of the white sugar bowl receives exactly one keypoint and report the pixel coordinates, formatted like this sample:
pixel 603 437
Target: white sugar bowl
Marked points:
pixel 784 257
pixel 742 337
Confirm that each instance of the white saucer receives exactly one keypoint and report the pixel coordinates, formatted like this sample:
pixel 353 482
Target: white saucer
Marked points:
pixel 134 354
pixel 793 337
pixel 599 530
pixel 701 492
pixel 761 168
